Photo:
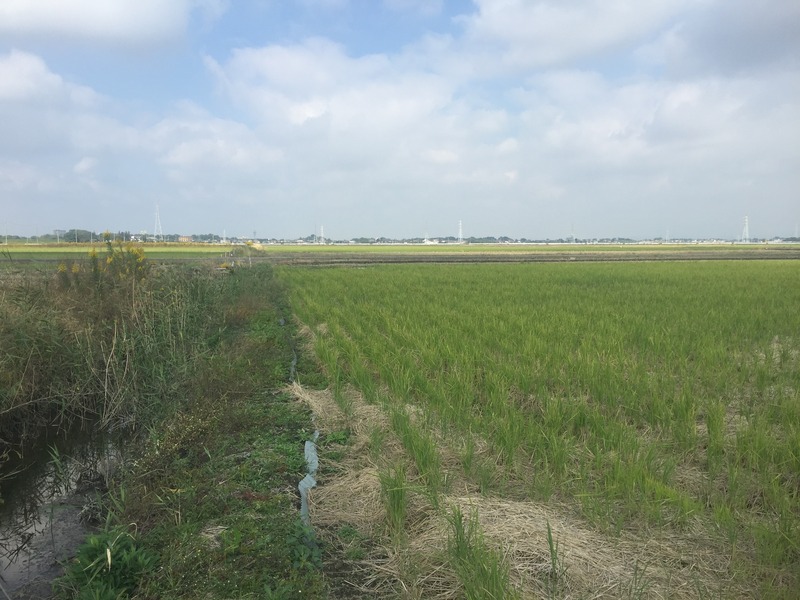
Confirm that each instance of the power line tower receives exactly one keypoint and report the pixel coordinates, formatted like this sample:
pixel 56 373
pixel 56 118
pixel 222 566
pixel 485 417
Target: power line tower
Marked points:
pixel 158 233
pixel 460 233
pixel 746 232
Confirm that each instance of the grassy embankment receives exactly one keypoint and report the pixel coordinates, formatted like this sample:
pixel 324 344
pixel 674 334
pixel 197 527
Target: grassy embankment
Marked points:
pixel 650 412
pixel 190 363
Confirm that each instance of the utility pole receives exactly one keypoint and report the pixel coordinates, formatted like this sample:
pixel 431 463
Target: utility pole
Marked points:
pixel 158 233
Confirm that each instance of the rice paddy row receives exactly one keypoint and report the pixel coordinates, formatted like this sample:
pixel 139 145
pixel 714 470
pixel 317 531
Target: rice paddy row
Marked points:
pixel 648 397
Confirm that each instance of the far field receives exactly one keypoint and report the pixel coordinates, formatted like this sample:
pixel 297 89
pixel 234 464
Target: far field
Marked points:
pixel 646 408
pixel 53 253
pixel 342 254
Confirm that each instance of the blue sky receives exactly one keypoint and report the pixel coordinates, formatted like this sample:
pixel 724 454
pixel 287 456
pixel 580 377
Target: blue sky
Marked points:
pixel 528 118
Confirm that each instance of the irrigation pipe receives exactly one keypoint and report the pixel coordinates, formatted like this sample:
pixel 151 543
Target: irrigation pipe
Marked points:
pixel 312 459
pixel 309 481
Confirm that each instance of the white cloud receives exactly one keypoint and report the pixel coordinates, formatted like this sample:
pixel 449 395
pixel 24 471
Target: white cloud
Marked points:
pixel 198 145
pixel 295 84
pixel 85 165
pixel 315 66
pixel 16 176
pixel 211 10
pixel 541 33
pixel 117 20
pixel 42 112
pixel 25 76
pixel 441 156
pixel 505 126
pixel 507 146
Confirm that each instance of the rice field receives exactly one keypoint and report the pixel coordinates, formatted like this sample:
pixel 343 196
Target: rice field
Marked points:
pixel 647 401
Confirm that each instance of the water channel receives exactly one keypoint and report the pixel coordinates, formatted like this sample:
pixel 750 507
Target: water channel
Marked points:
pixel 48 495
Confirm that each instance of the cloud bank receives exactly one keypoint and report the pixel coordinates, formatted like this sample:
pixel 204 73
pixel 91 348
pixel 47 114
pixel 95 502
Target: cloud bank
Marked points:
pixel 534 119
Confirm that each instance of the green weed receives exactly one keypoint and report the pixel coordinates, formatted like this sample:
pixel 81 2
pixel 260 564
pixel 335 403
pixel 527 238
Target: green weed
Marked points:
pixel 108 566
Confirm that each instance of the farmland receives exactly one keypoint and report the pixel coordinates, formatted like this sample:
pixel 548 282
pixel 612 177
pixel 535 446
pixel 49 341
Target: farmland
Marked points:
pixel 42 256
pixel 647 409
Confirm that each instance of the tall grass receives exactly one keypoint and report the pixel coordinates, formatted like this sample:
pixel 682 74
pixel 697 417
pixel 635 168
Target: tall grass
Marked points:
pixel 106 338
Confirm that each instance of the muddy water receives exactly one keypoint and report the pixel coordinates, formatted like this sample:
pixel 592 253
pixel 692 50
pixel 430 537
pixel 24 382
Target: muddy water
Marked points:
pixel 44 516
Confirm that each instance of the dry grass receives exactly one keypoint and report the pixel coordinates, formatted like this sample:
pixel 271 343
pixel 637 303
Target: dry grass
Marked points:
pixel 650 564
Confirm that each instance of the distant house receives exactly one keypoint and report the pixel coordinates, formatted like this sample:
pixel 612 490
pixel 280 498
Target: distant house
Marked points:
pixel 185 239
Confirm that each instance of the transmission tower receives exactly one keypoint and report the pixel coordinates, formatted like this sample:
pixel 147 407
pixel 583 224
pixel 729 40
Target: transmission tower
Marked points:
pixel 460 233
pixel 746 232
pixel 158 234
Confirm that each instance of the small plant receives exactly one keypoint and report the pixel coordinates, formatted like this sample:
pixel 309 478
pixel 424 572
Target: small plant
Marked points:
pixel 281 590
pixel 353 542
pixel 305 551
pixel 638 586
pixel 341 437
pixel 108 566
pixel 481 569
pixel 556 576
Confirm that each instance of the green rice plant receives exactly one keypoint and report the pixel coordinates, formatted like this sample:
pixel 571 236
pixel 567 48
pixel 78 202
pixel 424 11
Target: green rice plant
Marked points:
pixel 377 438
pixel 394 491
pixel 594 377
pixel 343 401
pixel 468 454
pixel 639 584
pixel 715 426
pixel 422 448
pixel 481 569
pixel 555 579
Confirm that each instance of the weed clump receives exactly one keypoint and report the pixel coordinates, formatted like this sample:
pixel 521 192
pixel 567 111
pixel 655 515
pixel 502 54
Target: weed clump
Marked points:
pixel 108 565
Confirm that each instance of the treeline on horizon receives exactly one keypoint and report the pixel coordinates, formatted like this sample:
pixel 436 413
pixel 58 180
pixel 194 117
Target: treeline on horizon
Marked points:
pixel 84 236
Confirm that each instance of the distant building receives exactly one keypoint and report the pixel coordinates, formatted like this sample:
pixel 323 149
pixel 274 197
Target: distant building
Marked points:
pixel 185 239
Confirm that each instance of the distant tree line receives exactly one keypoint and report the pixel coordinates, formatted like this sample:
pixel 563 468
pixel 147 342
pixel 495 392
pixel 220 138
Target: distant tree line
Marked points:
pixel 84 236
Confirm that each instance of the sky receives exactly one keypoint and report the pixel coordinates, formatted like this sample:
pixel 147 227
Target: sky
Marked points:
pixel 401 118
